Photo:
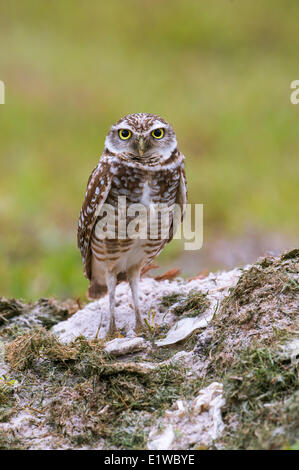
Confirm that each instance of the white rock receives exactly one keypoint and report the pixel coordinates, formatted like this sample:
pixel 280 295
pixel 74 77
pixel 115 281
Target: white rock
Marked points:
pixel 190 423
pixel 163 441
pixel 184 328
pixel 290 350
pixel 211 399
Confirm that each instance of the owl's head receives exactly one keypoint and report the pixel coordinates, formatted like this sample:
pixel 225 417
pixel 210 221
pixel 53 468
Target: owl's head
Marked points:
pixel 142 137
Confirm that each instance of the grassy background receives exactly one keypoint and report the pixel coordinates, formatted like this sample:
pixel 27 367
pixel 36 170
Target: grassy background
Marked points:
pixel 219 71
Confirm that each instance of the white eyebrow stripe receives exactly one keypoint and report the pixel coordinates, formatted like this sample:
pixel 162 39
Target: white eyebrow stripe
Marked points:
pixel 157 125
pixel 122 126
pixel 125 125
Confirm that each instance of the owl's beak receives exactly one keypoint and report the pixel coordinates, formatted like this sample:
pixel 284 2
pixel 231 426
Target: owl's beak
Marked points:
pixel 141 146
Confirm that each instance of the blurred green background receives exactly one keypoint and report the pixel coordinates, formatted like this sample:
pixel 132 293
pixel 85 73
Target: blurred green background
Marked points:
pixel 219 71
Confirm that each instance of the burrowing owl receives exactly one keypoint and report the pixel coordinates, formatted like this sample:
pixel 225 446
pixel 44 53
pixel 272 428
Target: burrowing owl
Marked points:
pixel 142 164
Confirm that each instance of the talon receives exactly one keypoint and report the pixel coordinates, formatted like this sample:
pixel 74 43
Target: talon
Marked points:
pixel 112 329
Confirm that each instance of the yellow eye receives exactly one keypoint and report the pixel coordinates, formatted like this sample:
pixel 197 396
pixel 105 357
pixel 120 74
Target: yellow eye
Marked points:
pixel 124 134
pixel 158 133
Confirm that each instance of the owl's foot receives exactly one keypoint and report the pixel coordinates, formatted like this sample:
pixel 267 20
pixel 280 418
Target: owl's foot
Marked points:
pixel 112 328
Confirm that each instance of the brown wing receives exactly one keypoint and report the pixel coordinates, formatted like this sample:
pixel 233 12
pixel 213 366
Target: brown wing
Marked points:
pixel 182 195
pixel 181 200
pixel 97 190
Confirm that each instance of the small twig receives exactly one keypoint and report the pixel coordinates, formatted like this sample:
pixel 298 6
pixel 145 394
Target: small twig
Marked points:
pixel 34 409
pixel 149 268
pixel 169 275
pixel 99 327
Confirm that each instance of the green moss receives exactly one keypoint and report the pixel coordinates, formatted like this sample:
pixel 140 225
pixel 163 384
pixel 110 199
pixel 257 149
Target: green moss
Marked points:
pixel 7 398
pixel 10 308
pixel 6 389
pixel 290 254
pixel 88 393
pixel 190 305
pixel 261 392
pixel 170 299
pixel 38 343
pixel 100 406
pixel 294 446
pixel 245 348
pixel 8 441
pixel 86 396
pixel 130 431
pixel 264 377
pixel 263 304
pixel 265 280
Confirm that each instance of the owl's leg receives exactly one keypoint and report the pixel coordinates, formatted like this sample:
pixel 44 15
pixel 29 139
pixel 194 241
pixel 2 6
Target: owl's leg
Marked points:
pixel 111 284
pixel 133 278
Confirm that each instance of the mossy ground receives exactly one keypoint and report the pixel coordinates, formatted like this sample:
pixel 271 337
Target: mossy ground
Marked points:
pixel 85 395
pixel 190 305
pixel 241 349
pixel 262 392
pixel 6 397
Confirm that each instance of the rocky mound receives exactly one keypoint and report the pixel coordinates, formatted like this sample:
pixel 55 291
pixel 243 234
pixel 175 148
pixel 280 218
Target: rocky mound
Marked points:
pixel 217 366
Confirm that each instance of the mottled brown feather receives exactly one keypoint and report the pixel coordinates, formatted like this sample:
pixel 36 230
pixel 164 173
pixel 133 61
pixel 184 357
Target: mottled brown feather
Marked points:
pixel 96 193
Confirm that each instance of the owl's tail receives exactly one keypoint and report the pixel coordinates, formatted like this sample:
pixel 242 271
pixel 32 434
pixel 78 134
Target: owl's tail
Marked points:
pixel 96 291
